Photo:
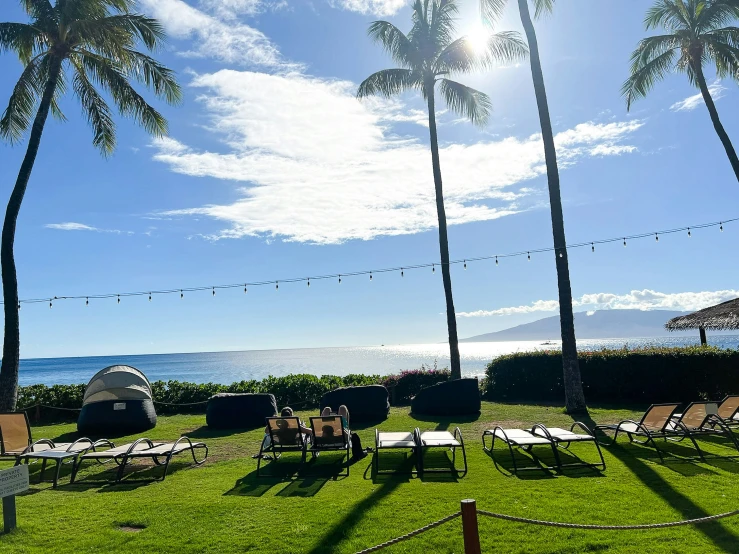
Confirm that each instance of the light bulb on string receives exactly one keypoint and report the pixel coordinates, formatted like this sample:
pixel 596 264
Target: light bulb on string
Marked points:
pixel 433 268
pixel 182 295
pixel 339 279
pixel 496 260
pixel 656 237
pixel 50 305
pixel 244 288
pixel 689 232
pixel 402 273
pixel 370 275
pixel 592 246
pixel 149 297
pixel 214 291
pixel 624 242
pixel 19 305
pixel 87 301
pixel 465 264
pixel 308 282
pixel 721 228
pixel 277 285
pixel 119 298
pixel 529 255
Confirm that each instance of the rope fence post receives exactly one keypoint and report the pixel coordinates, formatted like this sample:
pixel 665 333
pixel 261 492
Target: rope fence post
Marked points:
pixel 470 530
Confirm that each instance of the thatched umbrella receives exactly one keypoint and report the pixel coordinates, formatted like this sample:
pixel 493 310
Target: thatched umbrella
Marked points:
pixel 721 317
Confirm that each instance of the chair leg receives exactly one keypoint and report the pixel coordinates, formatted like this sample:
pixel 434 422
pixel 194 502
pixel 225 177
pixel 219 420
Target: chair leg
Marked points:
pixel 43 470
pixel 56 474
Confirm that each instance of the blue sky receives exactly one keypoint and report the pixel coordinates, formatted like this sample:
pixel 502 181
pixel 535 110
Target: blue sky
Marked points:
pixel 273 170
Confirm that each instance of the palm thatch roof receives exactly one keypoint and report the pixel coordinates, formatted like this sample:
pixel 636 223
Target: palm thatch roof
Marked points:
pixel 721 317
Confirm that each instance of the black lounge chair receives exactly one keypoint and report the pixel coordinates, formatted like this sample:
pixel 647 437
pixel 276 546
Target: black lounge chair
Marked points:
pixel 701 419
pixel 285 435
pixel 441 439
pixel 394 441
pixel 160 453
pixel 16 439
pixel 563 438
pixel 330 434
pixel 525 440
pixel 728 410
pixel 657 423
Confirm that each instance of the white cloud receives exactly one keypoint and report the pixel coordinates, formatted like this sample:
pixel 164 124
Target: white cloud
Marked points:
pixel 230 9
pixel 374 7
pixel 316 165
pixel 692 102
pixel 72 226
pixel 227 41
pixel 635 300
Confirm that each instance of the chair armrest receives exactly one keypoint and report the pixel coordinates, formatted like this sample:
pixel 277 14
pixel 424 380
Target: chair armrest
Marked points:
pixel 544 431
pixel 582 426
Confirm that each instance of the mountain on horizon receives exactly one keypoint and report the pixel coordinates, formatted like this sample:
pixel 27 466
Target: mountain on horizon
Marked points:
pixel 601 324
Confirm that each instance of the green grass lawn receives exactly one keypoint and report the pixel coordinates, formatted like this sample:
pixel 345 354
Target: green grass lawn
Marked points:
pixel 222 506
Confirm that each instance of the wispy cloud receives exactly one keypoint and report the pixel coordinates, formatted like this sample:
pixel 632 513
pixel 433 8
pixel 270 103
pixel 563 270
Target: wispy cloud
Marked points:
pixel 635 300
pixel 318 166
pixel 692 102
pixel 216 35
pixel 72 226
pixel 375 7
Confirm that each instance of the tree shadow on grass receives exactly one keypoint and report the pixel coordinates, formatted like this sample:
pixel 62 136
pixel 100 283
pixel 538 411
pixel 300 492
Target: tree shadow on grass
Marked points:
pixel 724 539
pixel 400 462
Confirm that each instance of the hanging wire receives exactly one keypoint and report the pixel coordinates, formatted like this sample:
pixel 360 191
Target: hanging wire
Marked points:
pixel 591 243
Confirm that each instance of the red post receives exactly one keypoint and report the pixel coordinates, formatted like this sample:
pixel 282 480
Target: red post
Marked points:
pixel 469 527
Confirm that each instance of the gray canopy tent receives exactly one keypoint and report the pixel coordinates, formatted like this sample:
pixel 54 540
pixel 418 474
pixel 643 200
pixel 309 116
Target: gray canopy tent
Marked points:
pixel 118 400
pixel 721 317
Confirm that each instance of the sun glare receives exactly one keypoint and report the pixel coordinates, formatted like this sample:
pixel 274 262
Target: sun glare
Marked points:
pixel 478 36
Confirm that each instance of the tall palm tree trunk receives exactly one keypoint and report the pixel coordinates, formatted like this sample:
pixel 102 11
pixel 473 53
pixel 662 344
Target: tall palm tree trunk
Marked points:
pixel 574 396
pixel 720 131
pixel 451 318
pixel 11 343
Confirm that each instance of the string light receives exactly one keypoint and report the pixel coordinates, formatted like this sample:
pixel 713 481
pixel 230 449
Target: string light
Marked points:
pixel 309 281
pixel 214 291
pixel 561 254
pixel 149 297
pixel 497 257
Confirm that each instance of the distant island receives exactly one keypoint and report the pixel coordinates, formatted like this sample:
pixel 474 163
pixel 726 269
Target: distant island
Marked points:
pixel 601 324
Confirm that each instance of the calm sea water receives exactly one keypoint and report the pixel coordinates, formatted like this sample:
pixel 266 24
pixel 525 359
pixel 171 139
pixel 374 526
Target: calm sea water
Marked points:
pixel 227 367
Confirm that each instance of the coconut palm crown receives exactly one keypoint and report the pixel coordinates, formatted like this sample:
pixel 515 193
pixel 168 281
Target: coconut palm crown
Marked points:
pixel 698 32
pixel 90 45
pixel 428 55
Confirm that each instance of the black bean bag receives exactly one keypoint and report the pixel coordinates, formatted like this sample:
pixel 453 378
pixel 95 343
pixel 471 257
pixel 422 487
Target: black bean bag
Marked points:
pixel 239 411
pixel 368 403
pixel 112 418
pixel 457 397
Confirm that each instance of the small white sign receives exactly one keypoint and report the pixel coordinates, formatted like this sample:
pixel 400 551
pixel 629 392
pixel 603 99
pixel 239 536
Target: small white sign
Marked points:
pixel 119 406
pixel 13 480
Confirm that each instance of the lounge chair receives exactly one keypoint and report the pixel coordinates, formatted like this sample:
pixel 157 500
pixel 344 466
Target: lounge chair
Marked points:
pixel 656 423
pixel 394 441
pixel 441 439
pixel 728 410
pixel 330 434
pixel 563 438
pixel 62 454
pixel 160 453
pixel 525 440
pixel 284 436
pixel 701 418
pixel 15 437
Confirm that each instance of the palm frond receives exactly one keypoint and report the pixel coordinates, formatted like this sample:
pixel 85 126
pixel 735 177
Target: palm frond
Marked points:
pixel 667 14
pixel 543 7
pixel 96 110
pixel 716 14
pixel 442 27
pixel 645 75
pixel 154 75
pixel 390 82
pixel 466 101
pixel 129 102
pixel 725 57
pixel 123 29
pixel 458 57
pixel 506 47
pixel 17 116
pixel 394 42
pixel 20 38
pixel 38 9
pixel 492 10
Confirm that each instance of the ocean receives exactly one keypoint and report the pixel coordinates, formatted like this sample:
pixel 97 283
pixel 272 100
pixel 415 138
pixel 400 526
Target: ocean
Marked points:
pixel 228 367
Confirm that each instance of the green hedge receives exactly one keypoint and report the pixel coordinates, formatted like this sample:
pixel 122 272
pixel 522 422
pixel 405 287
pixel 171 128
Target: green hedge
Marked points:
pixel 643 375
pixel 299 391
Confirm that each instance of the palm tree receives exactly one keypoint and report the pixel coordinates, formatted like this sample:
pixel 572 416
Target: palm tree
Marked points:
pixel 698 32
pixel 94 41
pixel 574 395
pixel 428 55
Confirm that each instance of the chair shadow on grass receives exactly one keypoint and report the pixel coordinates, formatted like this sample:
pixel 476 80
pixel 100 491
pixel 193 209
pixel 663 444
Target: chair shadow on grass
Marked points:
pixel 400 462
pixel 205 432
pixel 722 538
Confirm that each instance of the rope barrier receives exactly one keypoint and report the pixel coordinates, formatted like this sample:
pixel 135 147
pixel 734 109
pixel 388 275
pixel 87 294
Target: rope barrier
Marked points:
pixel 411 534
pixel 39 405
pixel 185 404
pixel 607 527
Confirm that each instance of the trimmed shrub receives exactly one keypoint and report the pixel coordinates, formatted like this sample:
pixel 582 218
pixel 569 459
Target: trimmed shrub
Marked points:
pixel 643 375
pixel 404 386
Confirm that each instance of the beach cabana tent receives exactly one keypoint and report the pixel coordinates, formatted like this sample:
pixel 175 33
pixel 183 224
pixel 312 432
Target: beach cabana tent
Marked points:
pixel 721 317
pixel 118 400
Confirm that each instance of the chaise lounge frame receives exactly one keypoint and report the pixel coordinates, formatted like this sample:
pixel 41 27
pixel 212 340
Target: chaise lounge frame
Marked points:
pixel 525 440
pixel 441 439
pixel 395 441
